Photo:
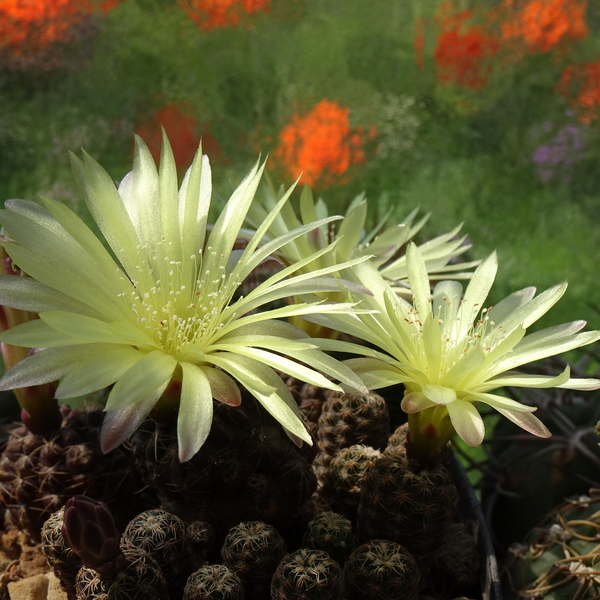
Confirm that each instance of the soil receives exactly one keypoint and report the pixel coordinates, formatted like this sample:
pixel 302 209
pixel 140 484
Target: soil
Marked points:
pixel 19 559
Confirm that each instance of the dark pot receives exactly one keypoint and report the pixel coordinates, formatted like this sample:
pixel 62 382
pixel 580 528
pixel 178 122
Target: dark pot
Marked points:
pixel 471 514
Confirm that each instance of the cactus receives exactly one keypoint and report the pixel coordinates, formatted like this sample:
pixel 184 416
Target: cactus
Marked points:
pixel 396 443
pixel 331 533
pixel 381 570
pixel 64 561
pixel 140 579
pixel 349 419
pixel 307 575
pixel 252 550
pixel 456 566
pixel 559 559
pixel 114 572
pixel 310 399
pixel 314 506
pixel 342 482
pixel 407 507
pixel 202 537
pixel 247 470
pixel 163 536
pixel 213 582
pixel 40 472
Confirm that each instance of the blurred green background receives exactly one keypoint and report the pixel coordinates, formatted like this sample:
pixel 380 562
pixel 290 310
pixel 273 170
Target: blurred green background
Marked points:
pixel 482 112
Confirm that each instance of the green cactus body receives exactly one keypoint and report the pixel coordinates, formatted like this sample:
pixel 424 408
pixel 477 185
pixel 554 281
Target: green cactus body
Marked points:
pixel 40 472
pixel 410 508
pixel 331 533
pixel 307 575
pixel 213 582
pixel 252 550
pixel 163 536
pixel 64 561
pixel 560 559
pixel 381 570
pixel 349 419
pixel 141 579
pixel 342 482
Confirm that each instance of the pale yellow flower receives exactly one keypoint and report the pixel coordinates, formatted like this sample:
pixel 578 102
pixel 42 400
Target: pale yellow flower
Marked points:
pixel 383 245
pixel 158 306
pixel 450 352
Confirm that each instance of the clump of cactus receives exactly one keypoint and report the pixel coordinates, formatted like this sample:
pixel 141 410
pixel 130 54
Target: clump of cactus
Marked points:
pixel 383 570
pixel 252 550
pixel 412 508
pixel 349 419
pixel 140 579
pixel 110 570
pixel 65 562
pixel 213 582
pixel 307 575
pixel 342 481
pixel 457 562
pixel 39 472
pixel 193 363
pixel 267 478
pixel 559 559
pixel 331 533
pixel 163 536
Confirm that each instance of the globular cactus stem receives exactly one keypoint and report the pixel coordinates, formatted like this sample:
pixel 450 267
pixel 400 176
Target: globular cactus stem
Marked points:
pixel 331 533
pixel 163 536
pixel 213 582
pixel 252 550
pixel 342 482
pixel 383 570
pixel 307 575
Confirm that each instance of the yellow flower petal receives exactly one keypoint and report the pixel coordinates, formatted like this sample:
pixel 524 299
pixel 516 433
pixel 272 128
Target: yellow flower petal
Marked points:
pixel 195 411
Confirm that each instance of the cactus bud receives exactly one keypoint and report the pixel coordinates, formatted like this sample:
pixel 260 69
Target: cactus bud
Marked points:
pixel 89 529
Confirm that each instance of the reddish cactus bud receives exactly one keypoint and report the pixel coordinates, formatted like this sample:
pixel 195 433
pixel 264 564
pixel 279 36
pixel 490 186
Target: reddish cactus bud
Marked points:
pixel 89 529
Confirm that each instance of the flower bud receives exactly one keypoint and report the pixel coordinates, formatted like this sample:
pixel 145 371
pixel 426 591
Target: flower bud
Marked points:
pixel 89 529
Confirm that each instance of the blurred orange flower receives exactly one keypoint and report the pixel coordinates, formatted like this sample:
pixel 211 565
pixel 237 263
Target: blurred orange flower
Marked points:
pixel 31 25
pixel 542 24
pixel 320 147
pixel 210 14
pixel 463 53
pixel 184 134
pixel 581 84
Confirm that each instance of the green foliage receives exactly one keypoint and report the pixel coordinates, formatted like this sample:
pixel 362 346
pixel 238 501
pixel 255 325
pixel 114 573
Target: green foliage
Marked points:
pixel 463 154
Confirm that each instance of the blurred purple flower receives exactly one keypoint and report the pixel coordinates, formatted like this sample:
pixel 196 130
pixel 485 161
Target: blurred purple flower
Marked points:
pixel 557 157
